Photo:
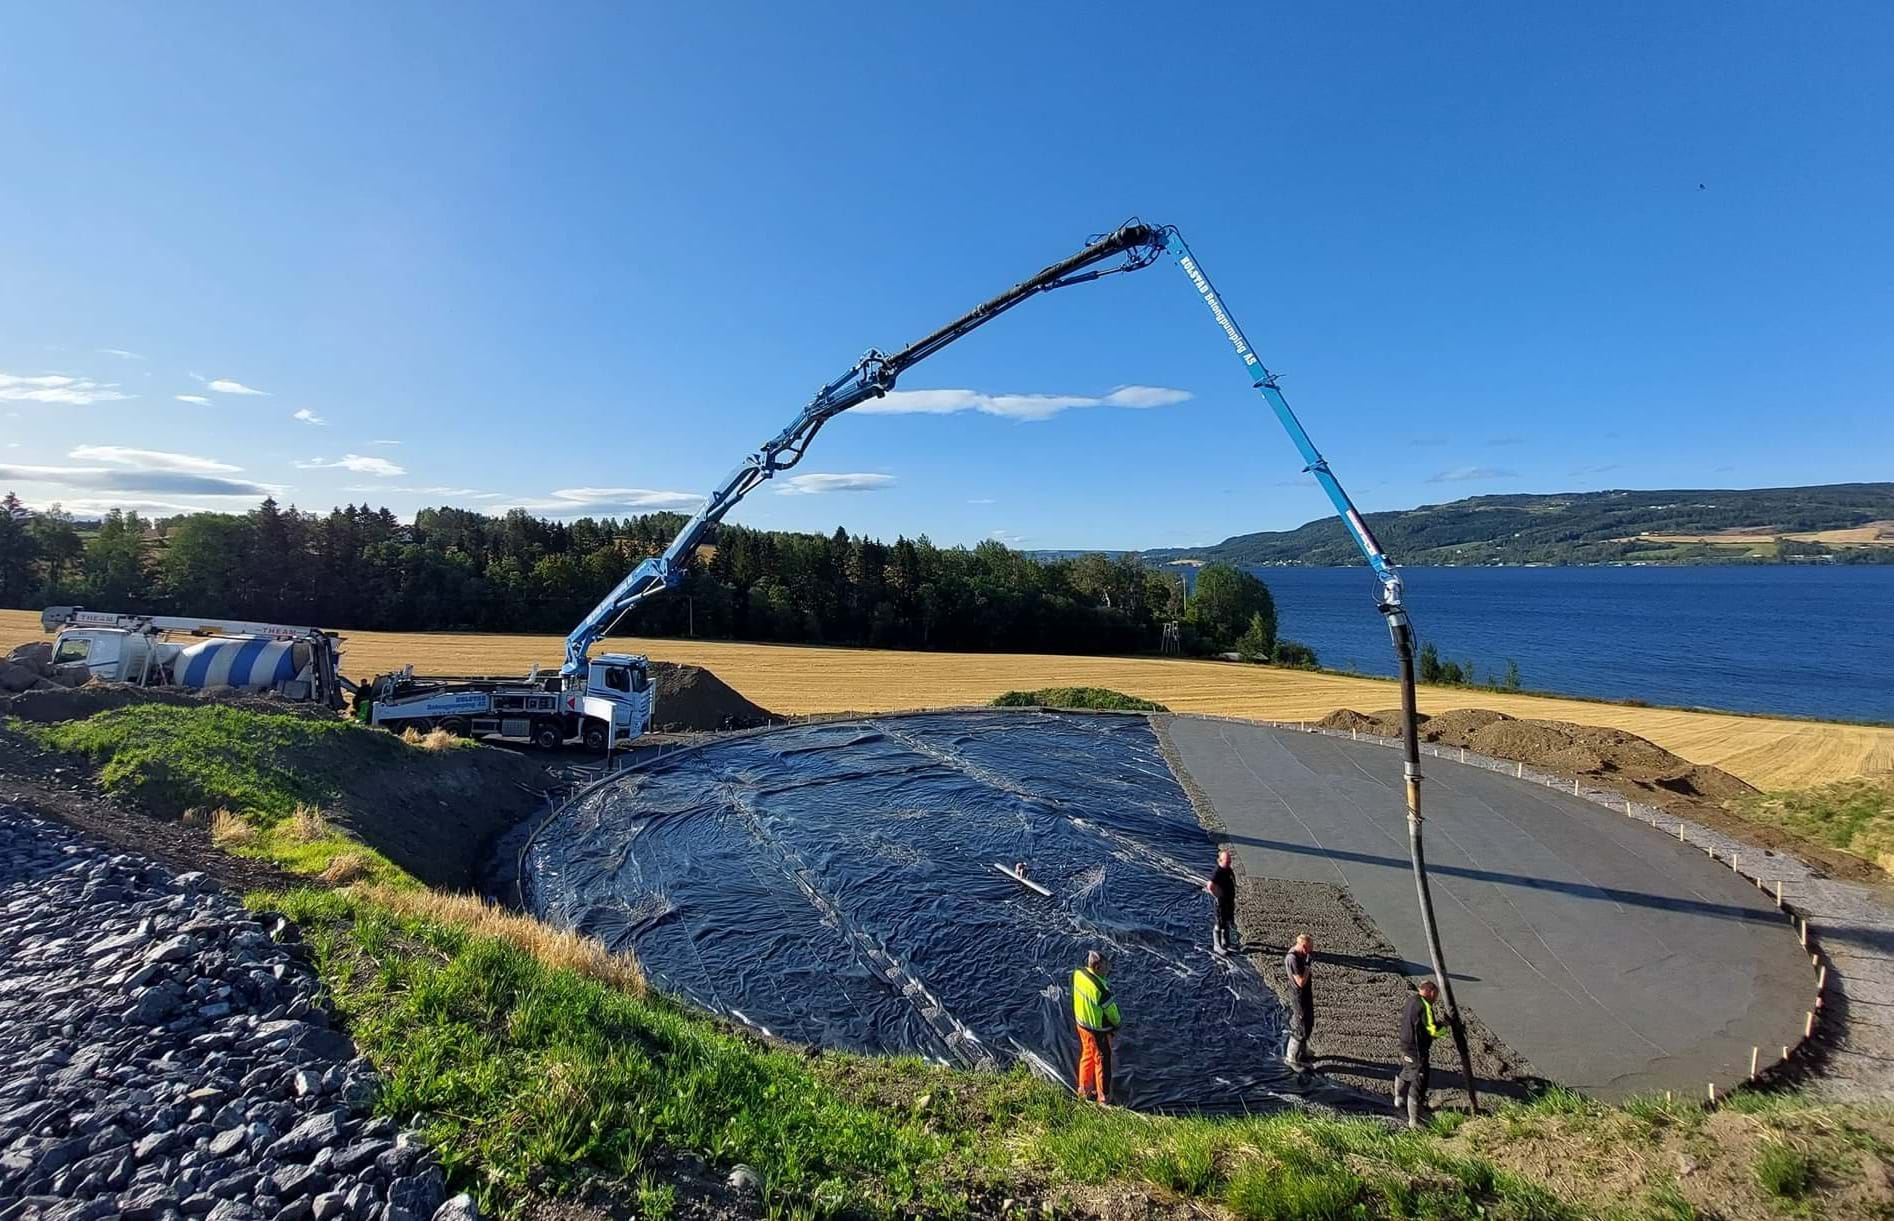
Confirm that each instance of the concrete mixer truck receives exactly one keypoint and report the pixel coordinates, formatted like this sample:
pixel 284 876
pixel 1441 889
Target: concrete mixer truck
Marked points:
pixel 299 663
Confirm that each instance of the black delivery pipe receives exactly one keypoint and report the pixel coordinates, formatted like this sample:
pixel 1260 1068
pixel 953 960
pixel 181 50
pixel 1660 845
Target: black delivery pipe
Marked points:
pixel 1403 633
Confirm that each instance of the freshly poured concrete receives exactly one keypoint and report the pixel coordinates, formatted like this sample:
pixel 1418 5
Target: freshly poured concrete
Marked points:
pixel 1615 959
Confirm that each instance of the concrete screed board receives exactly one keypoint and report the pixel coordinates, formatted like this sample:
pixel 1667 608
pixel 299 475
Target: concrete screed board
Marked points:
pixel 1615 959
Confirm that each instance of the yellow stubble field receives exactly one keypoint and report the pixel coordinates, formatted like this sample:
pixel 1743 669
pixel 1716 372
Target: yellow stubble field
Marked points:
pixel 1767 752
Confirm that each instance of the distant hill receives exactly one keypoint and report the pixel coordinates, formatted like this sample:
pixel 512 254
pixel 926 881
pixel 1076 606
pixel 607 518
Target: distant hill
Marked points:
pixel 1843 522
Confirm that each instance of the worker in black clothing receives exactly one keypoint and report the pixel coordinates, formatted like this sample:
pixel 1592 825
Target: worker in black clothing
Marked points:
pixel 1299 965
pixel 1222 888
pixel 1420 1026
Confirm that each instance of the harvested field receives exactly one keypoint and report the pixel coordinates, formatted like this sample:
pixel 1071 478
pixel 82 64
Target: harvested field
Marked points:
pixel 1872 534
pixel 1764 751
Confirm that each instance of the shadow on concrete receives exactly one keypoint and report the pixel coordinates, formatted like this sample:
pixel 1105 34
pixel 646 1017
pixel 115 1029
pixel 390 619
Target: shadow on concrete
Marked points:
pixel 1582 890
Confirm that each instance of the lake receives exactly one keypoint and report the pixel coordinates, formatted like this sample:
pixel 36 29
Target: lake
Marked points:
pixel 1797 639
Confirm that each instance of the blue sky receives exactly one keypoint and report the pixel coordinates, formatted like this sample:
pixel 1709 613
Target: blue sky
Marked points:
pixel 586 257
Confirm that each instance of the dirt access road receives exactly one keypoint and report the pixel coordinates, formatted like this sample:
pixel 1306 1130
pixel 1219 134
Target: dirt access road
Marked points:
pixel 1768 752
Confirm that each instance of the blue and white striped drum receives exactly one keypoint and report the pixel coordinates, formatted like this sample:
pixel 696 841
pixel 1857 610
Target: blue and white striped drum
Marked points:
pixel 253 664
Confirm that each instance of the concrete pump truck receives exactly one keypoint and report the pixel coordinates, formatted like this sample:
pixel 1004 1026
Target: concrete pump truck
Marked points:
pixel 609 699
pixel 605 700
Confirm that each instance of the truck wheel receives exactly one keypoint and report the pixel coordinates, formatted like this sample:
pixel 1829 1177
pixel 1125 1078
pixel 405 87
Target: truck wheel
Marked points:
pixel 453 725
pixel 595 736
pixel 546 736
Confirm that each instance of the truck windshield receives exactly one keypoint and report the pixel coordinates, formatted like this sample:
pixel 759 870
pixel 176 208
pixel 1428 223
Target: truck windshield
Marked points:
pixel 71 650
pixel 617 679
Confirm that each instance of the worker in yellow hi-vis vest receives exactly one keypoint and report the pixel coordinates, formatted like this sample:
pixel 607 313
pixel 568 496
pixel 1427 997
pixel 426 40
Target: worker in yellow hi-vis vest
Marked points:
pixel 1097 1016
pixel 1420 1026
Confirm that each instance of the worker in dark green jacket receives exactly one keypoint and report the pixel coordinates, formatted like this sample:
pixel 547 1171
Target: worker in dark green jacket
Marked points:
pixel 1421 1024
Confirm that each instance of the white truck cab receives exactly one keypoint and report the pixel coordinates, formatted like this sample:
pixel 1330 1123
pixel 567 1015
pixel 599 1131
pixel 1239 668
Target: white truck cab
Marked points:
pixel 618 693
pixel 115 655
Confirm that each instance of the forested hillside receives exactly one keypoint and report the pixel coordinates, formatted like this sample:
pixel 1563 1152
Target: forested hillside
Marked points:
pixel 358 567
pixel 1674 526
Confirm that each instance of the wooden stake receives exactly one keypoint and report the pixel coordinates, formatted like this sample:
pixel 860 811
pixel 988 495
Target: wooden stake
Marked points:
pixel 1821 982
pixel 1778 892
pixel 1713 1093
pixel 1754 1054
pixel 1805 934
pixel 1785 1055
pixel 1808 1027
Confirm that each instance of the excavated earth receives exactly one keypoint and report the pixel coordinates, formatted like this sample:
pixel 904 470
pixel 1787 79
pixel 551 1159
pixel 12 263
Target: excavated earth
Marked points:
pixel 693 699
pixel 1610 758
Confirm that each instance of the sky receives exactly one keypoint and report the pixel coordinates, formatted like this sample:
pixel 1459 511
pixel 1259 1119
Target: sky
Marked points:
pixel 585 258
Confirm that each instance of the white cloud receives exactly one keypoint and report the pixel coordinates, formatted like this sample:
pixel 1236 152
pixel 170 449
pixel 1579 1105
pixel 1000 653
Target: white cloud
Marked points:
pixel 605 502
pixel 466 493
pixel 199 399
pixel 57 388
pixel 384 442
pixel 309 417
pixel 122 354
pixel 379 467
pixel 1016 406
pixel 86 506
pixel 150 459
pixel 815 485
pixel 1469 474
pixel 982 500
pixel 224 385
pixel 150 479
pixel 1008 537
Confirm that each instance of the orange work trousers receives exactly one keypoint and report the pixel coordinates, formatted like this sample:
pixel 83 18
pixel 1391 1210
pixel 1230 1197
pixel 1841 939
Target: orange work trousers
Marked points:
pixel 1094 1064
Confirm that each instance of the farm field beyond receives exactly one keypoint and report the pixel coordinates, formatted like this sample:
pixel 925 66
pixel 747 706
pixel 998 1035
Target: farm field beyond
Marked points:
pixel 1767 752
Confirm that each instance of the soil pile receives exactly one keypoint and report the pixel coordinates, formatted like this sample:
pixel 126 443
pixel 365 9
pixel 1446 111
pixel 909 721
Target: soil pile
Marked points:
pixel 30 667
pixel 691 699
pixel 52 704
pixel 1633 765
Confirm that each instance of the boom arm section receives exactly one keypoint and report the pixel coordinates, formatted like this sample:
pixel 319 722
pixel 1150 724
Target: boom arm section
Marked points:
pixel 871 377
pixel 1393 613
pixel 1313 462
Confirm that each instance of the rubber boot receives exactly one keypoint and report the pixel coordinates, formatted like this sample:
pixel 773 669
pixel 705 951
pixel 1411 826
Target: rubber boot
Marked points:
pixel 1293 1055
pixel 1400 1092
pixel 1413 1111
pixel 1217 942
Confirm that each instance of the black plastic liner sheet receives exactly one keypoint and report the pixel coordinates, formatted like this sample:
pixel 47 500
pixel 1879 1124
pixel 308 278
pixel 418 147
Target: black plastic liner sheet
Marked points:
pixel 836 884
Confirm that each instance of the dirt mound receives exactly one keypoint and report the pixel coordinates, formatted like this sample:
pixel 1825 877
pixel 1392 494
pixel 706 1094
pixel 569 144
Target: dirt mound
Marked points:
pixel 1348 718
pixel 52 704
pixel 1634 766
pixel 1384 724
pixel 692 699
pixel 29 667
pixel 1455 727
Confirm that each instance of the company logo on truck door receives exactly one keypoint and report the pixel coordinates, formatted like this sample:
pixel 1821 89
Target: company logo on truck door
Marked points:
pixel 1222 316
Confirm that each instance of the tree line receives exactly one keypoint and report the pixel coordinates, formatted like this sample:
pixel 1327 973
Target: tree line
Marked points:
pixel 361 568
